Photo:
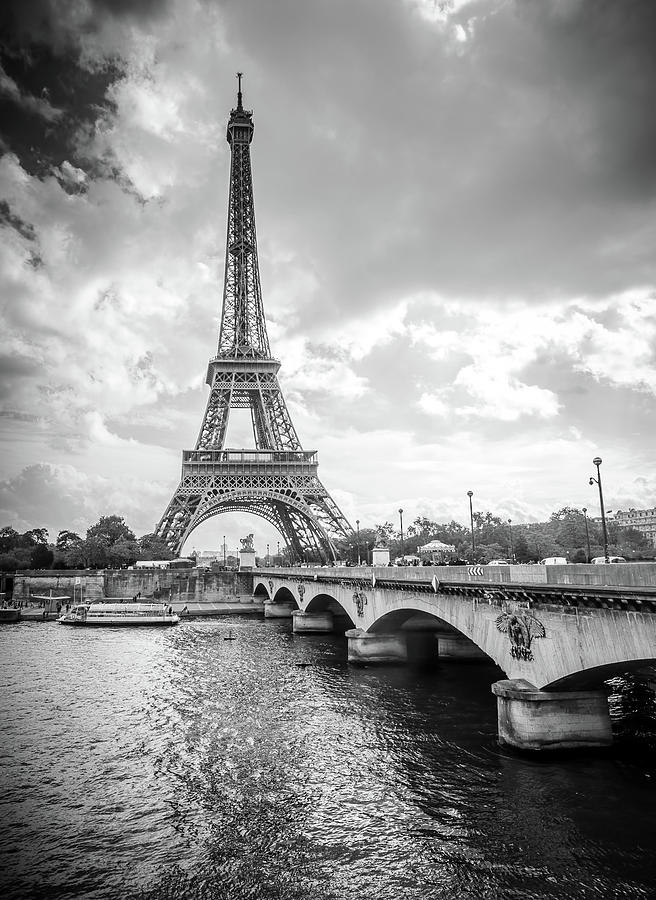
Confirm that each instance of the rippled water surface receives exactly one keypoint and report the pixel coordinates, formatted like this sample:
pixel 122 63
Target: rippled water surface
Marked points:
pixel 147 763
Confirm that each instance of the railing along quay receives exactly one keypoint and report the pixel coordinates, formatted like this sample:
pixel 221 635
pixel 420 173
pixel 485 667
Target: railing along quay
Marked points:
pixel 641 599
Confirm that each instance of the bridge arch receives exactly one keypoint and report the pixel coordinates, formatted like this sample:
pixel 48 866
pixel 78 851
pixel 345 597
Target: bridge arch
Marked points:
pixel 429 637
pixel 284 595
pixel 326 602
pixel 407 618
pixel 595 677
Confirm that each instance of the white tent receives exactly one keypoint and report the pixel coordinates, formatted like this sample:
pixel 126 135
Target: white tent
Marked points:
pixel 436 551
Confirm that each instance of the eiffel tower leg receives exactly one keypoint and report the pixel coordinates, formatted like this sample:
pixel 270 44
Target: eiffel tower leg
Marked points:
pixel 174 525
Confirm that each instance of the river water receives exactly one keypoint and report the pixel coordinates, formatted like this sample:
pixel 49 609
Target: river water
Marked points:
pixel 151 764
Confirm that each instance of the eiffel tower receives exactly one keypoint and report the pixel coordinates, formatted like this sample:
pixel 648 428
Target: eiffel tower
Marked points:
pixel 278 479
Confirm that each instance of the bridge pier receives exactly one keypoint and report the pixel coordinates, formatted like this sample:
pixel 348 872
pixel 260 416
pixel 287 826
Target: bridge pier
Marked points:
pixel 365 648
pixel 280 610
pixel 530 719
pixel 312 623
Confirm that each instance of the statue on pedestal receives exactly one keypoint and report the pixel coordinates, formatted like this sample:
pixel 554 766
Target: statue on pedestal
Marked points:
pixel 247 543
pixel 382 539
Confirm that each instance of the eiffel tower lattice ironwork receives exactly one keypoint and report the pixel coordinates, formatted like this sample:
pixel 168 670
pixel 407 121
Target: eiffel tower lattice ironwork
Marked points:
pixel 276 480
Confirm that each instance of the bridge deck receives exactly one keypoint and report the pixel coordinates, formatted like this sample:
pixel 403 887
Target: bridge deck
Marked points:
pixel 624 597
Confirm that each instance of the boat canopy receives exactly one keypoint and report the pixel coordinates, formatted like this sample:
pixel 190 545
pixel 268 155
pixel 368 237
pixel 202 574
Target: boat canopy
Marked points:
pixel 152 608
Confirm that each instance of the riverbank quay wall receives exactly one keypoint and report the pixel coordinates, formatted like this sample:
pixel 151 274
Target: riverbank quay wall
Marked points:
pixel 557 639
pixel 203 592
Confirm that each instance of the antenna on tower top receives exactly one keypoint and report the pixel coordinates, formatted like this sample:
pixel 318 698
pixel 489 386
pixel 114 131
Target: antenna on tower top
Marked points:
pixel 239 75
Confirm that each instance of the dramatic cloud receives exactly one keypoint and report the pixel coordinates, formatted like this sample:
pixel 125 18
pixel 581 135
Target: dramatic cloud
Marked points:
pixel 456 209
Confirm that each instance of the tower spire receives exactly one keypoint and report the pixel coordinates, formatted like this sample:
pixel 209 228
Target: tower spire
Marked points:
pixel 239 77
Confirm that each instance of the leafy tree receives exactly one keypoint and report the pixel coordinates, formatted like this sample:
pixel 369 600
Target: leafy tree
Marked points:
pixel 489 529
pixel 41 557
pixel 8 562
pixel 123 553
pixel 110 542
pixel 35 537
pixel 76 555
pixel 69 551
pixel 9 538
pixel 486 552
pixel 522 553
pixel 66 540
pixel 110 529
pixel 153 547
pixel 568 528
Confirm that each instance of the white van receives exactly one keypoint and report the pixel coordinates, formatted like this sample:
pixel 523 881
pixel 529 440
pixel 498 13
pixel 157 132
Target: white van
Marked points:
pixel 600 560
pixel 553 561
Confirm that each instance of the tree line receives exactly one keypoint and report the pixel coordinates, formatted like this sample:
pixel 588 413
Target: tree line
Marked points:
pixel 110 543
pixel 567 533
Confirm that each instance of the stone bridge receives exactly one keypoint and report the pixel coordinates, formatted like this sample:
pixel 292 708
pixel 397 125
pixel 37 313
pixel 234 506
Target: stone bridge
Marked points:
pixel 557 643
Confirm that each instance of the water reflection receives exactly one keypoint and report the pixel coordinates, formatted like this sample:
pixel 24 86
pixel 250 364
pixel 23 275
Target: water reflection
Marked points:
pixel 142 764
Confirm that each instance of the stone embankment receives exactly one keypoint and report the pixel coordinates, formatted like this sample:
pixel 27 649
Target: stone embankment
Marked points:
pixel 202 592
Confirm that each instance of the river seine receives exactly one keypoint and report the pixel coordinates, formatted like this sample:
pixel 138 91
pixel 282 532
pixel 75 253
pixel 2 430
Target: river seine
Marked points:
pixel 172 763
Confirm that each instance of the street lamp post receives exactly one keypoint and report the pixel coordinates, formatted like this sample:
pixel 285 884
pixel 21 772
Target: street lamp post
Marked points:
pixel 597 462
pixel 512 550
pixel 402 547
pixel 278 556
pixel 268 558
pixel 224 551
pixel 470 494
pixel 587 533
pixel 357 538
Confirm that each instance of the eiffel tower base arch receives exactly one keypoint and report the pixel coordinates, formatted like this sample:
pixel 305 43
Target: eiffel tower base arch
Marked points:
pixel 293 517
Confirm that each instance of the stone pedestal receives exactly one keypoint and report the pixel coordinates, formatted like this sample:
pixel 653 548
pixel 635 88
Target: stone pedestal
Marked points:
pixel 530 719
pixel 246 560
pixel 282 610
pixel 365 648
pixel 458 647
pixel 311 623
pixel 380 556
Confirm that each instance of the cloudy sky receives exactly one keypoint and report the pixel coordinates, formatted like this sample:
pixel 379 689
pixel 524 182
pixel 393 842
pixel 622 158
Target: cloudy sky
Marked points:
pixel 456 212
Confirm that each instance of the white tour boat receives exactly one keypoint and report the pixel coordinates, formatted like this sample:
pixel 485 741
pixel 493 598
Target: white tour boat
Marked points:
pixel 99 613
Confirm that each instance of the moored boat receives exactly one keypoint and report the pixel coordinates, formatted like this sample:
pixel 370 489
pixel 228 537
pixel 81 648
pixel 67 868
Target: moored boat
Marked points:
pixel 120 614
pixel 10 614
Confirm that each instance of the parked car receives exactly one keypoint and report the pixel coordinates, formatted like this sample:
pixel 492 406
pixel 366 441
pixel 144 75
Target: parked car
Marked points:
pixel 553 561
pixel 499 562
pixel 601 560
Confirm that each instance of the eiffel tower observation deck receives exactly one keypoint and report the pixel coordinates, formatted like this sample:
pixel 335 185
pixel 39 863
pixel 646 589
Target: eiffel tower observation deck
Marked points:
pixel 276 479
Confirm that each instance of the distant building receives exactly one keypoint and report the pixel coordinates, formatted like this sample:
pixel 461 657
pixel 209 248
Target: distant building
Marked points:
pixel 643 520
pixel 206 558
